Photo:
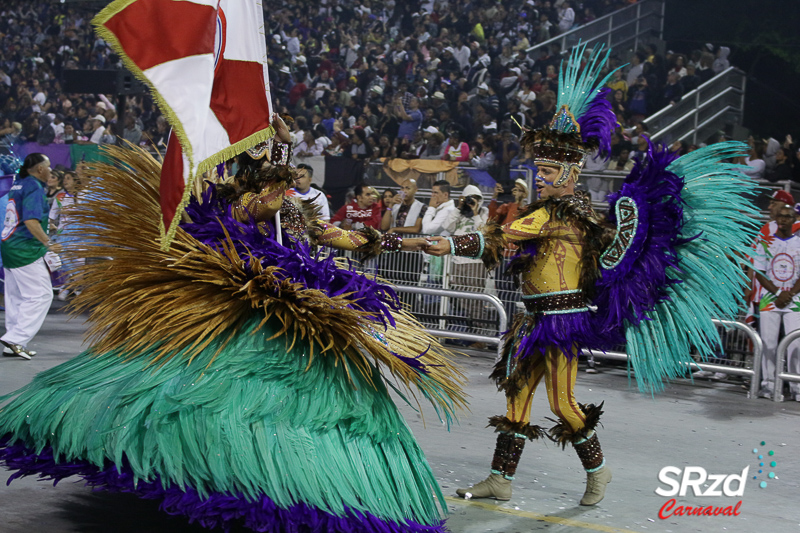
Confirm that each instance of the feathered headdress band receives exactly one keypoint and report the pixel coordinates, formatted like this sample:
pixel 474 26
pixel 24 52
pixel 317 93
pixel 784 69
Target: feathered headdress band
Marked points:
pixel 584 120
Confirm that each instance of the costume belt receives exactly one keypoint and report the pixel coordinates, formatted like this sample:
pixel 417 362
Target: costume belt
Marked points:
pixel 555 302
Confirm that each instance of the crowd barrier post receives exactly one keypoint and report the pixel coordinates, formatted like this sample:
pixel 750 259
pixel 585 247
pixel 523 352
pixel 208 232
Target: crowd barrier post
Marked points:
pixel 492 300
pixel 780 360
pixel 754 374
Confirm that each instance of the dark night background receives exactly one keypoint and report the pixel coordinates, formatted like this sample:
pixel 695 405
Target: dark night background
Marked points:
pixel 764 38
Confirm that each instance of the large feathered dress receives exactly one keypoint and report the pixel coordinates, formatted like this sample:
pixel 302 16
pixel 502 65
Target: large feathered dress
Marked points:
pixel 232 378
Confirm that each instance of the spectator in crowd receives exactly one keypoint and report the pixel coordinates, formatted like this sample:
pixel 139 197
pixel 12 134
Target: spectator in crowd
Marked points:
pixel 691 80
pixel 308 147
pixel 469 274
pixel 566 16
pixel 623 162
pixel 481 155
pixel 439 208
pixel 28 289
pixel 405 213
pixel 636 69
pixel 306 193
pixel 782 170
pixel 456 150
pixel 132 132
pixel 386 200
pixel 359 148
pixel 639 99
pixel 778 299
pixel 505 213
pixel 673 91
pixel 721 62
pixel 94 129
pixel 411 118
pixel 363 211
pixel 755 161
pixel 63 232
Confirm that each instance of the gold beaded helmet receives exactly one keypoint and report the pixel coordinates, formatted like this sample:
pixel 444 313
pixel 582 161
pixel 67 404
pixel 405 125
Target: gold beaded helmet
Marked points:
pixel 584 120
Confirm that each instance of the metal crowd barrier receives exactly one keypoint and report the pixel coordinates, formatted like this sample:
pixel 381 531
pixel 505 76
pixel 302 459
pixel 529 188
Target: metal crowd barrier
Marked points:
pixel 780 360
pixel 492 300
pixel 753 373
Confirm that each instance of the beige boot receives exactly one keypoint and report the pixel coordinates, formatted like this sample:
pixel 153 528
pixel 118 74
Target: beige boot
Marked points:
pixel 495 486
pixel 596 486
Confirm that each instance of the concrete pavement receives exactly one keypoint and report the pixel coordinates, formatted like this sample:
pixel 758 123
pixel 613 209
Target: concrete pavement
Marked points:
pixel 705 424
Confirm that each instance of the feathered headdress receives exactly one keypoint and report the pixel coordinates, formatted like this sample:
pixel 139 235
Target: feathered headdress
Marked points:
pixel 584 120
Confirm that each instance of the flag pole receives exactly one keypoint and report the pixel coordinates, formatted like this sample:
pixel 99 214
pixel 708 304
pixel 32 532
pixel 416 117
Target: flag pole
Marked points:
pixel 278 235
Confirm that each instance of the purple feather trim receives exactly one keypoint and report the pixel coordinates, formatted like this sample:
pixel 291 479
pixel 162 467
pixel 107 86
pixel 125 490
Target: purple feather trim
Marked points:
pixel 215 511
pixel 566 332
pixel 632 288
pixel 211 218
pixel 598 122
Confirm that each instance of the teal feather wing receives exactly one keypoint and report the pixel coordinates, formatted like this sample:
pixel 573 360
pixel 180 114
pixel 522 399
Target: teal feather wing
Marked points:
pixel 719 226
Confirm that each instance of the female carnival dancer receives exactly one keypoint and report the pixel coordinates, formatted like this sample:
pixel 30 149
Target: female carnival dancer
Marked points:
pixel 674 262
pixel 231 377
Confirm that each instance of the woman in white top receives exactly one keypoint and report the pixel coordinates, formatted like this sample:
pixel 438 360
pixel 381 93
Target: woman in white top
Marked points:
pixel 65 232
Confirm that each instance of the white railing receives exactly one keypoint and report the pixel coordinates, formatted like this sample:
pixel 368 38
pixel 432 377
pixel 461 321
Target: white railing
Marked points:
pixel 715 105
pixel 624 29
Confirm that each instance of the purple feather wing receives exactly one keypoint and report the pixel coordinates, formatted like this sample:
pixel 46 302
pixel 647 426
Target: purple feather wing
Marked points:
pixel 598 122
pixel 648 212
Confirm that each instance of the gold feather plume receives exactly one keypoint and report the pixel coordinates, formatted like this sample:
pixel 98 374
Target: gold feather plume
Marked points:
pixel 145 301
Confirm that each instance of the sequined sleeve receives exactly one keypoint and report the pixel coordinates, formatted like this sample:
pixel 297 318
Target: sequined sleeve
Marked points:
pixel 292 220
pixel 367 240
pixel 255 205
pixel 473 245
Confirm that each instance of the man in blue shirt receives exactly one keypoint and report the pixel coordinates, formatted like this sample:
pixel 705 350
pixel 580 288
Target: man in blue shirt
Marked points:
pixel 412 119
pixel 28 289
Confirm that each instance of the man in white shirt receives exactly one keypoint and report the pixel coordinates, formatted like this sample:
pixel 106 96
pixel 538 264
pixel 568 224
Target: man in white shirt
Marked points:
pixel 438 209
pixel 406 213
pixel 308 146
pixel 777 266
pixel 303 190
pixel 97 125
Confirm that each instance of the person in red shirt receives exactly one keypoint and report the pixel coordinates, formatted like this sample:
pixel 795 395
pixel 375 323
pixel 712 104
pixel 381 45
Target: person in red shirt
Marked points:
pixel 363 211
pixel 298 91
pixel 506 213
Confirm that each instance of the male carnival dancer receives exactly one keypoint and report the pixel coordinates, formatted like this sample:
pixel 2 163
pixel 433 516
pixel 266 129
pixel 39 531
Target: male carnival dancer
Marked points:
pixel 553 277
pixel 560 243
pixel 654 283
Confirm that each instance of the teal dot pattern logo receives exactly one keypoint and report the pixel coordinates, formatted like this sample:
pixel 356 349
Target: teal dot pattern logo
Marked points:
pixel 772 464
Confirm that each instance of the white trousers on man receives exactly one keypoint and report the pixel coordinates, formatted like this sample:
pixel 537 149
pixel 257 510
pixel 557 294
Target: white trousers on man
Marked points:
pixel 28 295
pixel 770 326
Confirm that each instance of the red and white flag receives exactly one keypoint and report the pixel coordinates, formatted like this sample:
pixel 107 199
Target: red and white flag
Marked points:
pixel 205 61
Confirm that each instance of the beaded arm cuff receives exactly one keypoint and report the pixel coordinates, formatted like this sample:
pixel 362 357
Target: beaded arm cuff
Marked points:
pixel 281 153
pixel 487 245
pixel 470 245
pixel 391 242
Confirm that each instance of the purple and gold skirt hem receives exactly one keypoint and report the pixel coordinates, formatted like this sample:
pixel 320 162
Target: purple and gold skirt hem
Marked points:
pixel 216 510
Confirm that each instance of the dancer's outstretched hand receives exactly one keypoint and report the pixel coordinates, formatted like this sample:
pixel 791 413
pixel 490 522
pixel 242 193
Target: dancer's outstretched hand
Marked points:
pixel 281 129
pixel 414 244
pixel 439 246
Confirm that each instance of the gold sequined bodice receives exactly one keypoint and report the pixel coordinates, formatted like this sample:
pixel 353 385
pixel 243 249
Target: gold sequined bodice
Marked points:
pixel 557 264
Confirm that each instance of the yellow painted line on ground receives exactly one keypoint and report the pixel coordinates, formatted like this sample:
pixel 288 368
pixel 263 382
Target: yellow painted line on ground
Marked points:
pixel 536 516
